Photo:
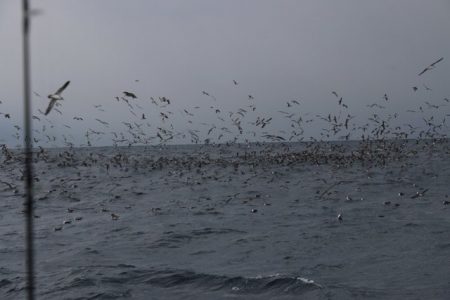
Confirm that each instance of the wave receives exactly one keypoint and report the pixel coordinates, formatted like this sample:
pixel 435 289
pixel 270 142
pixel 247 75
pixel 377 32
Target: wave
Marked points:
pixel 272 284
pixel 118 281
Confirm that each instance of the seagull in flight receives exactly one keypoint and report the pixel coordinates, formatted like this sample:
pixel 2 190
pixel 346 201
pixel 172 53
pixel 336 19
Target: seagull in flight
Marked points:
pixel 432 66
pixel 55 97
pixel 130 94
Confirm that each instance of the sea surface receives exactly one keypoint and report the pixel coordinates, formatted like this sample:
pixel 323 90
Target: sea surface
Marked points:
pixel 255 221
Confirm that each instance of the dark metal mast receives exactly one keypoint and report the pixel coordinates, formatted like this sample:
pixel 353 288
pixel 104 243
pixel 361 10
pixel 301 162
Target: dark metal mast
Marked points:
pixel 28 141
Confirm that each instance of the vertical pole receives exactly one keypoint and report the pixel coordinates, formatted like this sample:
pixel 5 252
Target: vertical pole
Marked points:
pixel 28 152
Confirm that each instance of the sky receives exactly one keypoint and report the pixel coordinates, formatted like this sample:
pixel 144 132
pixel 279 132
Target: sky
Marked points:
pixel 277 51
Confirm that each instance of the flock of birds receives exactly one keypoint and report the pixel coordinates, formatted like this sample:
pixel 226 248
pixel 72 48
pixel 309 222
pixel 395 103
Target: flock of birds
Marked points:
pixel 379 140
pixel 381 137
pixel 157 124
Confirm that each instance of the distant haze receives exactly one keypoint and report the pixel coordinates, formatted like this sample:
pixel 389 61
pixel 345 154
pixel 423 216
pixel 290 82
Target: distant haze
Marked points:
pixel 277 51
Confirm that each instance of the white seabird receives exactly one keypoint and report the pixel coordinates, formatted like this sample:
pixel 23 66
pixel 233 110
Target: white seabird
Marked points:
pixel 55 97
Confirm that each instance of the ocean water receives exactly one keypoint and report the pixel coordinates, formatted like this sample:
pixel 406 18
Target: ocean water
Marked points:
pixel 256 221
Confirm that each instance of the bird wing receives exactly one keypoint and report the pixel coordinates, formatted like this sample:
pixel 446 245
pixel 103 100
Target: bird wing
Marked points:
pixel 50 106
pixel 61 89
pixel 424 70
pixel 439 60
pixel 431 66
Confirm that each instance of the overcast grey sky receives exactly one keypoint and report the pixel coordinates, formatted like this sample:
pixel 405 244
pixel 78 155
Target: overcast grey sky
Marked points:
pixel 277 50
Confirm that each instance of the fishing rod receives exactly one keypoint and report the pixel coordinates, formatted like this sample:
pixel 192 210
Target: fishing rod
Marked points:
pixel 28 143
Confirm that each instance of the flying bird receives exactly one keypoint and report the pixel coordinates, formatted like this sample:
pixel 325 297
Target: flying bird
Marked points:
pixel 103 122
pixel 432 66
pixel 129 94
pixel 55 97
